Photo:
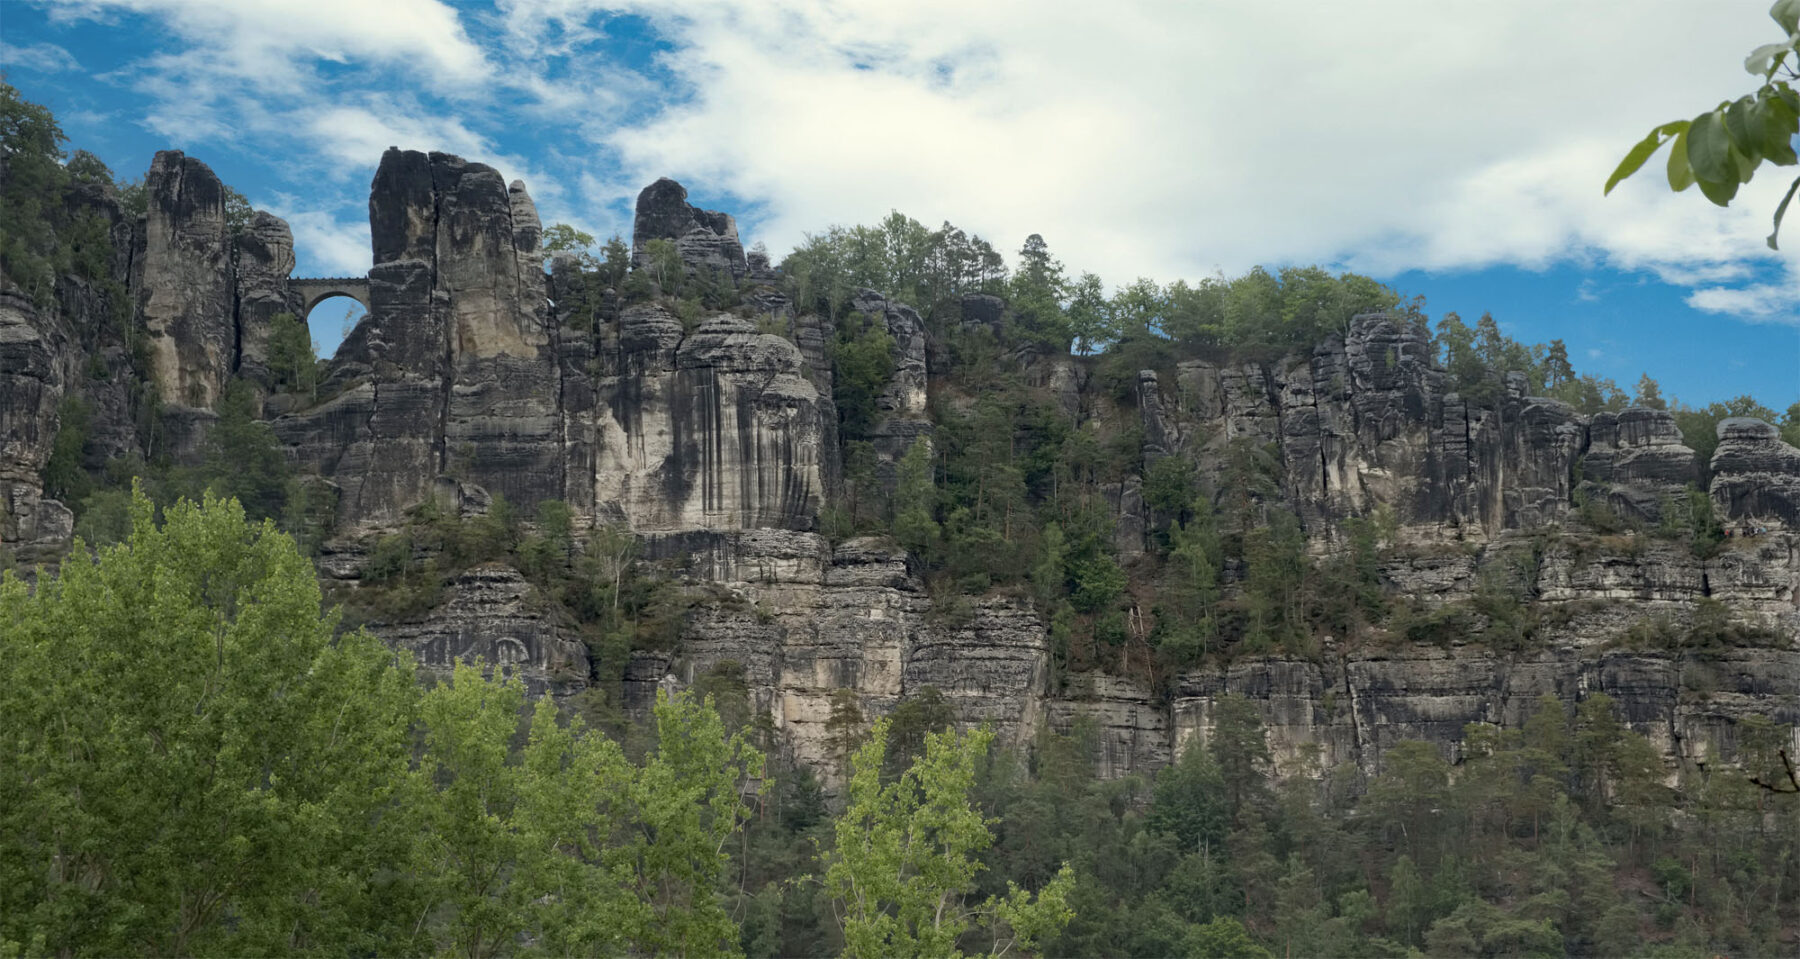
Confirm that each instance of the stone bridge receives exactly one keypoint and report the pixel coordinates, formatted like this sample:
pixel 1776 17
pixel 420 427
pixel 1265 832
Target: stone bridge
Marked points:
pixel 310 290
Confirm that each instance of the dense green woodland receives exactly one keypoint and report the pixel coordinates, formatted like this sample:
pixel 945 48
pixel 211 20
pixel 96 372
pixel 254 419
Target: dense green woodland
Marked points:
pixel 200 761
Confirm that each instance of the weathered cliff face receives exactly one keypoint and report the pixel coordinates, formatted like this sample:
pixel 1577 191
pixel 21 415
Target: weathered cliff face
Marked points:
pixel 68 348
pixel 1637 461
pixel 806 619
pixel 476 375
pixel 187 281
pixel 33 374
pixel 1366 422
pixel 453 371
pixel 713 430
pixel 1756 477
pixel 264 254
pixel 902 403
pixel 490 613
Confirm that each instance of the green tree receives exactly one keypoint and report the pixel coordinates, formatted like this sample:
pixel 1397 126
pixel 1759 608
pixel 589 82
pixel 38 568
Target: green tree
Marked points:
pixel 1037 291
pixel 689 801
pixel 1090 317
pixel 905 861
pixel 615 261
pixel 915 526
pixel 1557 369
pixel 1190 802
pixel 243 459
pixel 30 193
pixel 663 262
pixel 1240 750
pixel 196 762
pixel 1721 148
pixel 563 238
pixel 1196 560
pixel 862 358
pixel 293 357
pixel 511 840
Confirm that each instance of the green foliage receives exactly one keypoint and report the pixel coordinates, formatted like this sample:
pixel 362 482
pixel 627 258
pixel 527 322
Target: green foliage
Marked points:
pixel 293 356
pixel 904 860
pixel 1722 148
pixel 243 459
pixel 1187 622
pixel 1275 583
pixel 914 497
pixel 65 476
pixel 195 759
pixel 1097 582
pixel 664 264
pixel 563 238
pixel 900 257
pixel 201 763
pixel 862 359
pixel 29 194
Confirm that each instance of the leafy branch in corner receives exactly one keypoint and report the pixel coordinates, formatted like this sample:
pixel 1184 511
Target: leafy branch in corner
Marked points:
pixel 1720 149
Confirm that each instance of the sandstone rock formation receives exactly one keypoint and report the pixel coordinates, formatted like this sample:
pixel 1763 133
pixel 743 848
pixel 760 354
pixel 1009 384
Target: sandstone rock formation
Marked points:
pixel 714 441
pixel 492 614
pixel 1756 477
pixel 706 239
pixel 187 281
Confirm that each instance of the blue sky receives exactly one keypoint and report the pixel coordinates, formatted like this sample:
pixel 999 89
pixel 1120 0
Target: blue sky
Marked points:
pixel 1453 150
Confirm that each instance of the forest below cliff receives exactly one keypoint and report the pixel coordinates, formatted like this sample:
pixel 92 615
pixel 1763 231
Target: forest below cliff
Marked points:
pixel 214 750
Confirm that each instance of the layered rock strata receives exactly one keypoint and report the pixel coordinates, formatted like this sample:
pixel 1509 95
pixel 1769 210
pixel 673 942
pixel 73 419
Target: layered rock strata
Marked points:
pixel 714 441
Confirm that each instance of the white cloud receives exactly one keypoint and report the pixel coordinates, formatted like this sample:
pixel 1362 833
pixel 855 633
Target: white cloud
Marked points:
pixel 357 135
pixel 41 57
pixel 327 246
pixel 1758 303
pixel 1176 139
pixel 269 41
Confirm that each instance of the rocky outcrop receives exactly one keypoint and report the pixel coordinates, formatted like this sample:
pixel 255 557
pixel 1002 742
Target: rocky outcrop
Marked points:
pixel 63 353
pixel 1756 477
pixel 187 281
pixel 713 430
pixel 1637 461
pixel 806 620
pixel 32 382
pixel 489 613
pixel 264 255
pixel 714 440
pixel 706 239
pixel 454 371
pixel 902 403
pixel 1345 716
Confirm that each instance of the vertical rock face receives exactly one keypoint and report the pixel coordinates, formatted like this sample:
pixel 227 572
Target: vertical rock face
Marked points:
pixel 806 620
pixel 714 430
pixel 902 403
pixel 1756 477
pixel 68 347
pixel 455 371
pixel 187 281
pixel 706 239
pixel 265 260
pixel 475 375
pixel 1350 714
pixel 1637 461
pixel 34 350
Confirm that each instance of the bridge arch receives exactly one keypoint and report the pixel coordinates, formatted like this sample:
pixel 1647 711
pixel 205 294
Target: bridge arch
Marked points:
pixel 311 291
